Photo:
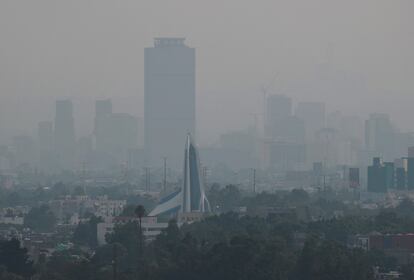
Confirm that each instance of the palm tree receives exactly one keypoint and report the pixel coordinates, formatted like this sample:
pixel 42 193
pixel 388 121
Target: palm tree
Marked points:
pixel 140 212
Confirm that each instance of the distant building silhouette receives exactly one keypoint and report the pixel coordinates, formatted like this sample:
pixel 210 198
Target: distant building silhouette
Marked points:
pixel 169 99
pixel 115 134
pixel 119 134
pixel 64 135
pixel 103 109
pixel 280 124
pixel 380 136
pixel 278 107
pixel 285 134
pixel 313 114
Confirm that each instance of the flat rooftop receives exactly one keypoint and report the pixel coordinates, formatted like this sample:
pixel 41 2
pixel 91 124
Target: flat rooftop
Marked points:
pixel 169 41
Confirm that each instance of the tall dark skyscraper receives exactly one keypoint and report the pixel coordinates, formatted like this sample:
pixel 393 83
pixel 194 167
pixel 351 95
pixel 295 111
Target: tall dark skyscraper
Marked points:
pixel 64 135
pixel 169 100
pixel 377 177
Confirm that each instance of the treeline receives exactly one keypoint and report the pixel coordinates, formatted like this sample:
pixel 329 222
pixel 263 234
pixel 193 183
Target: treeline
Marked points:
pixel 225 246
pixel 231 247
pixel 35 195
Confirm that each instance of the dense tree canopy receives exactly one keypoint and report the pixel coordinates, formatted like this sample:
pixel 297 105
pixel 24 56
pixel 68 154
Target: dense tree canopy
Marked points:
pixel 228 245
pixel 40 219
pixel 14 259
pixel 86 233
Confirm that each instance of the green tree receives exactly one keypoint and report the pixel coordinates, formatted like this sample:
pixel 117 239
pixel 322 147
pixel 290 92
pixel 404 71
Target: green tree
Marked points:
pixel 298 196
pixel 78 190
pixel 15 259
pixel 68 265
pixel 327 260
pixel 407 271
pixel 129 237
pixel 86 233
pixel 40 219
pixel 226 199
pixel 4 275
pixel 128 211
pixel 140 212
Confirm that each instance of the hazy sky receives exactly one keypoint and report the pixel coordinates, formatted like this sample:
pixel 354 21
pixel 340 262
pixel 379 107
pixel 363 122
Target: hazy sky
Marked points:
pixel 356 55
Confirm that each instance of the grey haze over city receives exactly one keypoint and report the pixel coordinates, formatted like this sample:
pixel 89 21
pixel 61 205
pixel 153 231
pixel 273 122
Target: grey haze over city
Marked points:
pixel 200 140
pixel 356 56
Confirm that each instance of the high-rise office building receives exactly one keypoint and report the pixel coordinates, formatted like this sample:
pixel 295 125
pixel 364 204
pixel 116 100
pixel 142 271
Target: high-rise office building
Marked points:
pixel 103 109
pixel 410 168
pixel 380 136
pixel 390 174
pixel 400 181
pixel 278 107
pixel 285 134
pixel 280 124
pixel 169 99
pixel 380 176
pixel 354 177
pixel 115 134
pixel 64 135
pixel 313 114
pixel 118 134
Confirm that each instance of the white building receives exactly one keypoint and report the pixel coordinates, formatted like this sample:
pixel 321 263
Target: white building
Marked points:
pixel 150 227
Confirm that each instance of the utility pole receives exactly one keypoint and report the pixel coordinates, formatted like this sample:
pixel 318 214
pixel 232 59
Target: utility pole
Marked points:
pixel 125 171
pixel 164 183
pixel 205 175
pixel 83 176
pixel 115 263
pixel 147 179
pixel 254 180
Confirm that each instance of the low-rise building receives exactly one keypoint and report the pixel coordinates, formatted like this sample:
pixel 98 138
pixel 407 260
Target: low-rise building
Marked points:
pixel 399 246
pixel 150 227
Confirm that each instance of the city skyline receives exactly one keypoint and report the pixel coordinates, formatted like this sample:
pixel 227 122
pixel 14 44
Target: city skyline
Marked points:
pixel 183 139
pixel 308 47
